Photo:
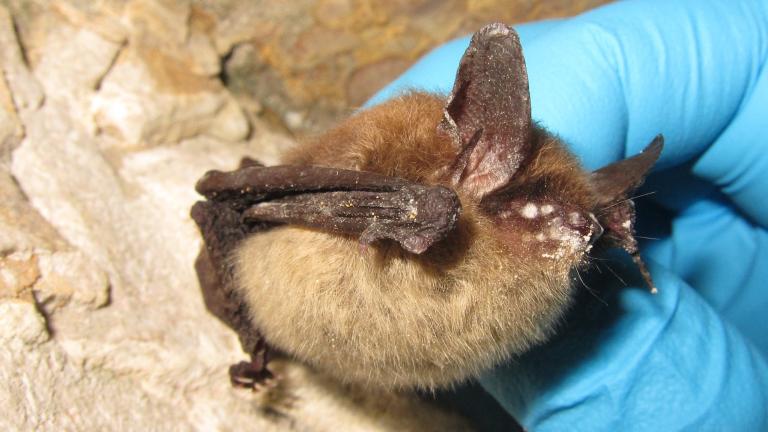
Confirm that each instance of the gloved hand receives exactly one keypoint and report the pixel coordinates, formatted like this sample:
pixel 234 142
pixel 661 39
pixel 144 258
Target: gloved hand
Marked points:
pixel 694 356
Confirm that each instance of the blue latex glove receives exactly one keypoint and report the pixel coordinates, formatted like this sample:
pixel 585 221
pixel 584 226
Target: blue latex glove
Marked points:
pixel 692 357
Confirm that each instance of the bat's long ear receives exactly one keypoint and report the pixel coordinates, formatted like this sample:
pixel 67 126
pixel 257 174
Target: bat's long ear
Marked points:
pixel 616 211
pixel 488 115
pixel 616 181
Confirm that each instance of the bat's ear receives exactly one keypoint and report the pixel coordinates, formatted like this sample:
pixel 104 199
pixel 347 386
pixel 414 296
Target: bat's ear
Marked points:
pixel 612 185
pixel 488 114
pixel 617 180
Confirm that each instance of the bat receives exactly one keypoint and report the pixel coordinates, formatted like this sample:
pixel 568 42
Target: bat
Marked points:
pixel 419 242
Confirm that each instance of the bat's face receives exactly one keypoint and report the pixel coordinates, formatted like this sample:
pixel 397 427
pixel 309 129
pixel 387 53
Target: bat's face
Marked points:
pixel 491 286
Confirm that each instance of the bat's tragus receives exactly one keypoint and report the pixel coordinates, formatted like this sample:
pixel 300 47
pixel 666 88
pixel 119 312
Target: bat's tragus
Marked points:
pixel 478 220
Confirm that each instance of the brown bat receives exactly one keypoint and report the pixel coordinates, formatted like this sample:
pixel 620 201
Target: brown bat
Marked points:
pixel 418 243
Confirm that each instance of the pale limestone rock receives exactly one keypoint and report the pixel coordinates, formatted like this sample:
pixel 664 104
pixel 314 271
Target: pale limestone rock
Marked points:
pixel 146 77
pixel 164 88
pixel 18 272
pixel 21 226
pixel 71 63
pixel 229 124
pixel 26 92
pixel 240 21
pixel 21 323
pixel 177 29
pixel 11 129
pixel 70 277
pixel 102 17
pixel 151 98
pixel 13 71
pixel 53 279
pixel 163 22
pixel 205 58
pixel 135 107
pixel 60 184
pixel 42 389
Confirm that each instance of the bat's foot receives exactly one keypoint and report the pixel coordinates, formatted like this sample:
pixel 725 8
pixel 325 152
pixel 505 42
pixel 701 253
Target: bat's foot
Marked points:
pixel 247 375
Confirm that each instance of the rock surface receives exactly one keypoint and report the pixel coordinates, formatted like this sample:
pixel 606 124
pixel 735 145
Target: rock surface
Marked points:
pixel 316 59
pixel 110 111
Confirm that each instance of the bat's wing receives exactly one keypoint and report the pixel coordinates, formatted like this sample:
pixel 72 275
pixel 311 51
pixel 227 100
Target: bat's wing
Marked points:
pixel 221 226
pixel 368 205
pixel 488 115
pixel 254 198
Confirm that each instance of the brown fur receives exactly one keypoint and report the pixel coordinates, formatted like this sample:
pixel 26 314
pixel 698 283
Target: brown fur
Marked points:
pixel 392 319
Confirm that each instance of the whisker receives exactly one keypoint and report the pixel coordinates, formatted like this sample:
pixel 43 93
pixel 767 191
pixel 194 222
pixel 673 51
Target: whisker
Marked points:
pixel 578 273
pixel 604 209
pixel 601 211
pixel 592 257
pixel 642 195
pixel 616 274
pixel 589 289
pixel 646 238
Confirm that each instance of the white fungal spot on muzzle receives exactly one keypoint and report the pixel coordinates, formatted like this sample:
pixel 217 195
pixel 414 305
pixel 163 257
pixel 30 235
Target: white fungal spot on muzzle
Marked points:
pixel 576 219
pixel 529 211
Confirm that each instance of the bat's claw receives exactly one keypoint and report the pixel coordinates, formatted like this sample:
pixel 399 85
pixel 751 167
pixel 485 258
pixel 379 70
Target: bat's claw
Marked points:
pixel 247 375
